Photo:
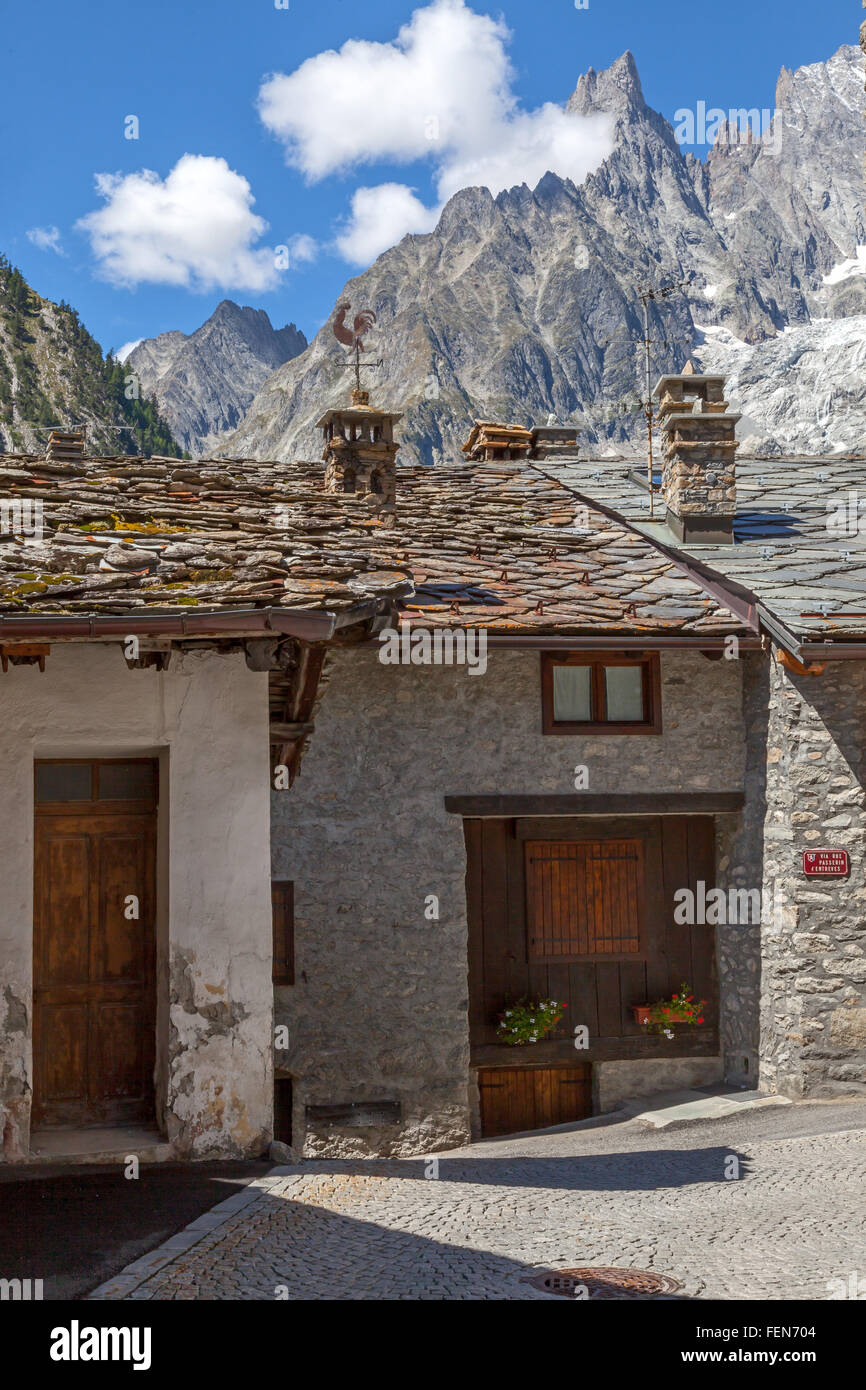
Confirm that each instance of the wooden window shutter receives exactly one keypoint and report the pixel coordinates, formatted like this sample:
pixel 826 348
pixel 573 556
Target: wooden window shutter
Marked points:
pixel 283 907
pixel 584 898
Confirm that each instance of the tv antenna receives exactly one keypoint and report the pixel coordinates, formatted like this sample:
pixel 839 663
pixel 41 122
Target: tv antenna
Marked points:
pixel 646 294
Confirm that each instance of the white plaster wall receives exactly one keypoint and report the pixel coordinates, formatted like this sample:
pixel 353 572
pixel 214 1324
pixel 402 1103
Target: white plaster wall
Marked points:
pixel 207 719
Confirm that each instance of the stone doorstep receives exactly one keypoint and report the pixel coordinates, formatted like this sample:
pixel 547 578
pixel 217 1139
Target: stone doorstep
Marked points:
pixel 109 1145
pixel 673 1107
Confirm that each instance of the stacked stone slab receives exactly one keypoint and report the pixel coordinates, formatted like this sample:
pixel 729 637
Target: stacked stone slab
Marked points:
pixel 65 446
pixel 360 453
pixel 699 444
pixel 489 442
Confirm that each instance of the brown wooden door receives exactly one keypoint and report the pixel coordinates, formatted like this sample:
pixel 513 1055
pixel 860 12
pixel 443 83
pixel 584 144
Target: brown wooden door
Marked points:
pixel 94 1013
pixel 517 1098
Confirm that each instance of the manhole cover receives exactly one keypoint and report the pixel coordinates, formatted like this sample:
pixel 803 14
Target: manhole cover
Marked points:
pixel 605 1283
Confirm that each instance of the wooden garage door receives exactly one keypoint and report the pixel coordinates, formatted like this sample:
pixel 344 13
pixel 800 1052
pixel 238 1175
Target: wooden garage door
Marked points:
pixel 94 947
pixel 517 1098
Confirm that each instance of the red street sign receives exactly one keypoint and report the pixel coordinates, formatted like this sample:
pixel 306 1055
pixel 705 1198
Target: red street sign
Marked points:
pixel 826 863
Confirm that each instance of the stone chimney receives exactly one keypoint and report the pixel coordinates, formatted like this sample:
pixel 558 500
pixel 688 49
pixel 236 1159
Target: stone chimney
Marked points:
pixel 554 441
pixel 66 446
pixel 698 472
pixel 360 453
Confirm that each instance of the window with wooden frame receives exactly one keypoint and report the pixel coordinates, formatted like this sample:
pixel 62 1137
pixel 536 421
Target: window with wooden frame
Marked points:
pixel 95 784
pixel 283 909
pixel 585 899
pixel 601 693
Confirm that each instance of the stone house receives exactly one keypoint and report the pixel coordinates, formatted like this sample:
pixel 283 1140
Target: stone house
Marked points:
pixel 521 732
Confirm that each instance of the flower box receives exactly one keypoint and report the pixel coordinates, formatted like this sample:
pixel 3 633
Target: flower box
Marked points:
pixel 660 1016
pixel 526 1022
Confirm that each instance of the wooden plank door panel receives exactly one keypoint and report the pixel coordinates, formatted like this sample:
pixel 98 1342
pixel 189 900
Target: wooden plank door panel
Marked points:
pixel 94 967
pixel 63 873
pixel 60 1057
pixel 572 1094
pixel 585 899
pixel 526 1098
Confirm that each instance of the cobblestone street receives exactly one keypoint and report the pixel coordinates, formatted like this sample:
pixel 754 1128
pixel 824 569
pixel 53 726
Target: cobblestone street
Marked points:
pixel 501 1212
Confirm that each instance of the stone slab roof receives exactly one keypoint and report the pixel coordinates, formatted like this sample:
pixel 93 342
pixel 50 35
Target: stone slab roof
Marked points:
pixel 799 533
pixel 166 536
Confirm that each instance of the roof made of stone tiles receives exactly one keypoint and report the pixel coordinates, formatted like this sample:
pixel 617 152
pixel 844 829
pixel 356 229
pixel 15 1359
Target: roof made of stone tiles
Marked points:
pixel 799 533
pixel 122 535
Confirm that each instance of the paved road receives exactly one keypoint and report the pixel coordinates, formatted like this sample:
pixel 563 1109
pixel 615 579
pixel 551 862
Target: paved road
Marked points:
pixel 485 1219
pixel 74 1227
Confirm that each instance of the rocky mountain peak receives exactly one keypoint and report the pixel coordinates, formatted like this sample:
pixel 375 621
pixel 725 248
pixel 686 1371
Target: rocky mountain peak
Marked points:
pixel 613 91
pixel 524 306
pixel 204 381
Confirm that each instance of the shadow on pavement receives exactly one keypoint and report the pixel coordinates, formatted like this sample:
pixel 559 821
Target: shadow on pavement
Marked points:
pixel 75 1228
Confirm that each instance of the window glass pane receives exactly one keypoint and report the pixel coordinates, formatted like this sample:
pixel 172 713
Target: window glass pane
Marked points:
pixel 624 691
pixel 63 781
pixel 126 782
pixel 572 694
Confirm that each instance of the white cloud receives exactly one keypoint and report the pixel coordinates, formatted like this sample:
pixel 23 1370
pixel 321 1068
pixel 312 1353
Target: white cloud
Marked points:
pixel 374 100
pixel 530 144
pixel 46 238
pixel 440 91
pixel 302 249
pixel 194 228
pixel 123 352
pixel 380 217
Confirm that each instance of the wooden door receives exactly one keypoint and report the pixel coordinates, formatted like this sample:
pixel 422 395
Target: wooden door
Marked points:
pixel 518 1098
pixel 94 956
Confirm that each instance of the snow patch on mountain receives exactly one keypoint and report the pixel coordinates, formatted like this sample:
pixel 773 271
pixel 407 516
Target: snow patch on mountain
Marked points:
pixel 802 392
pixel 856 265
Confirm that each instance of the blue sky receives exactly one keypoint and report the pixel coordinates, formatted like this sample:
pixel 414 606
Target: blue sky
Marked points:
pixel 243 122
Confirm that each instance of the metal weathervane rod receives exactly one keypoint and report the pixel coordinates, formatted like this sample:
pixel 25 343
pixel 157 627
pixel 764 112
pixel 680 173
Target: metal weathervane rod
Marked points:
pixel 353 338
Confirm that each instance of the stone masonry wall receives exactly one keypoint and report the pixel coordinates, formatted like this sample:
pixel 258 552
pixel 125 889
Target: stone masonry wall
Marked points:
pixel 813 1015
pixel 739 866
pixel 379 1008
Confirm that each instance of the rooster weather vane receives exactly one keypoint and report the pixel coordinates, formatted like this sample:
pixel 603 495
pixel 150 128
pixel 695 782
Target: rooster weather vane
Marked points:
pixel 354 337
